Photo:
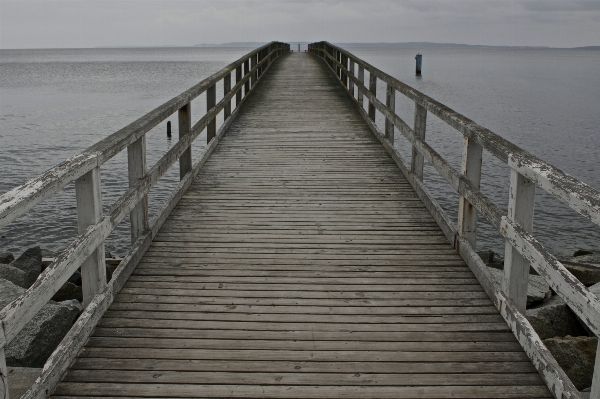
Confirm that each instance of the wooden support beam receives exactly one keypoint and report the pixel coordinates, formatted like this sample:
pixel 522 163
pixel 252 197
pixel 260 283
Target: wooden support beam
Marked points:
pixel 89 212
pixel 185 124
pixel 390 103
pixel 420 123
pixel 211 100
pixel 471 169
pixel 373 90
pixel 361 79
pixel 239 93
pixel 516 267
pixel 226 90
pixel 247 84
pixel 136 159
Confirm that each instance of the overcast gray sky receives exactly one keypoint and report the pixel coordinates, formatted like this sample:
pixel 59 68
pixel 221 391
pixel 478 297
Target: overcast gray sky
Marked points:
pixel 91 23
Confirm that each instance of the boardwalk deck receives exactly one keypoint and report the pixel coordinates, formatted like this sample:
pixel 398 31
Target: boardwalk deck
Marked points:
pixel 301 264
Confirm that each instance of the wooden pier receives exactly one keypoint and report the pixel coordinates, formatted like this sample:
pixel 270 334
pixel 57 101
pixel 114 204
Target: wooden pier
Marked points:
pixel 299 258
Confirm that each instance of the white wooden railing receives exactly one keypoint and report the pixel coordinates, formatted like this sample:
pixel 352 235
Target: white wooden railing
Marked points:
pixel 527 172
pixel 87 251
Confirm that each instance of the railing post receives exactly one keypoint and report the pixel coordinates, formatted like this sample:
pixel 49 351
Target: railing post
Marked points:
pixel 390 103
pixel 247 83
pixel 226 90
pixel 238 77
pixel 255 73
pixel 516 267
pixel 344 74
pixel 361 79
pixel 136 160
pixel 350 81
pixel 420 123
pixel 89 212
pixel 211 100
pixel 3 371
pixel 471 170
pixel 373 90
pixel 185 125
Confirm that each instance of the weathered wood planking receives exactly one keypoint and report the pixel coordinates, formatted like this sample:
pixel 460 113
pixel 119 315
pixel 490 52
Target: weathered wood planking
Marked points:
pixel 300 263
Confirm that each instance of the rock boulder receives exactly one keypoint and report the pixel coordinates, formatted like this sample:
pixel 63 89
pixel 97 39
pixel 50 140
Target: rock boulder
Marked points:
pixel 31 263
pixel 554 319
pixel 38 339
pixel 538 289
pixel 14 275
pixel 575 355
pixel 6 257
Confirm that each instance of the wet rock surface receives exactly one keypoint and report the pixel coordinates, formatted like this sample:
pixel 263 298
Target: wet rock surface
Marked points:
pixel 575 355
pixel 6 257
pixel 31 263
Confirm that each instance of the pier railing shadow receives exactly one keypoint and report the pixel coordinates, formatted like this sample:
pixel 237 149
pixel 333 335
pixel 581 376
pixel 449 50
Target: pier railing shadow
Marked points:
pixel 87 251
pixel 515 225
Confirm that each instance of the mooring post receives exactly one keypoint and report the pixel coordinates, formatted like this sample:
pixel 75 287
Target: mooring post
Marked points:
pixel 136 162
pixel 169 129
pixel 361 79
pixel 472 154
pixel 390 103
pixel 520 210
pixel 211 100
pixel 238 77
pixel 185 125
pixel 350 81
pixel 420 123
pixel 373 90
pixel 298 47
pixel 88 195
pixel 226 90
pixel 419 59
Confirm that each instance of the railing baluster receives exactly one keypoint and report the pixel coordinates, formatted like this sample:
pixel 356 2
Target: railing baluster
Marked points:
pixel 211 100
pixel 390 103
pixel 239 93
pixel 136 159
pixel 185 124
pixel 471 169
pixel 226 90
pixel 361 79
pixel 350 81
pixel 516 267
pixel 373 90
pixel 420 123
pixel 89 212
pixel 344 74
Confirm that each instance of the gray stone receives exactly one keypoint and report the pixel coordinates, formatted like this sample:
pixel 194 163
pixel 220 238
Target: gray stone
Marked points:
pixel 587 273
pixel 538 289
pixel 575 355
pixel 31 263
pixel 553 318
pixel 6 257
pixel 38 339
pixel 20 379
pixel 595 289
pixel 593 258
pixel 14 275
pixel 67 292
pixel 581 252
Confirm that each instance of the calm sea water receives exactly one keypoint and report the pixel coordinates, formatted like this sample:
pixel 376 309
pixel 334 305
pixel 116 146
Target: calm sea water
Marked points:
pixel 55 103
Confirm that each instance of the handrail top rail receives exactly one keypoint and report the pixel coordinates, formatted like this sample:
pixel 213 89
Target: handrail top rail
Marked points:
pixel 576 194
pixel 20 199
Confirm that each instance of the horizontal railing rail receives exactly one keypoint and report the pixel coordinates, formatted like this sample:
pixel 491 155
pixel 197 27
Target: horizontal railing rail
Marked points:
pixel 87 251
pixel 527 172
